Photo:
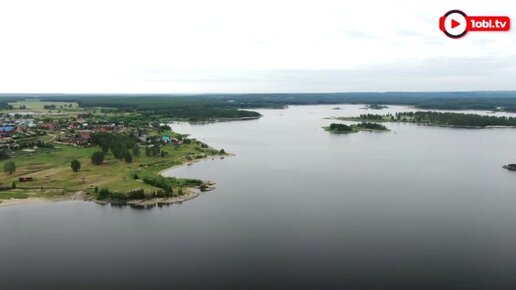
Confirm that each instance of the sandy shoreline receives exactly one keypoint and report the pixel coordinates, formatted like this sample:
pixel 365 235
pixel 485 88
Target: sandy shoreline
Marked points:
pixel 192 162
pixel 32 200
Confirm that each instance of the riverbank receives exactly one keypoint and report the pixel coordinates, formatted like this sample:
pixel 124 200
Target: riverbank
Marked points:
pixel 80 195
pixel 47 176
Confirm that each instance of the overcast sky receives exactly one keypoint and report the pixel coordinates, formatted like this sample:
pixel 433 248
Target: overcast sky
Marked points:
pixel 205 46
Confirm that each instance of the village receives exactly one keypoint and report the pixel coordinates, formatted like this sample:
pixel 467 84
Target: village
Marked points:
pixel 56 150
pixel 28 132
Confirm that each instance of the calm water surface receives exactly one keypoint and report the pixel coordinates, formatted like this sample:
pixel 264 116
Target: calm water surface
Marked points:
pixel 415 208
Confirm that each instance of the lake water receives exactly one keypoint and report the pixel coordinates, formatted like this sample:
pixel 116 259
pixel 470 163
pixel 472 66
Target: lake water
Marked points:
pixel 415 208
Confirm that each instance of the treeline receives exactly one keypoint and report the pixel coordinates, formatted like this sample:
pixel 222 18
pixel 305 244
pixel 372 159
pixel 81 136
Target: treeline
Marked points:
pixel 456 119
pixel 174 107
pixel 343 128
pixel 371 117
pixel 167 187
pixel 161 182
pixel 340 127
pixel 135 194
pixel 4 105
pixel 37 143
pixel 370 126
pixel 121 145
pixel 213 106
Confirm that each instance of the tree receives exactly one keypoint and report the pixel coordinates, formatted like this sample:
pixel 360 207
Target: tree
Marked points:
pixel 3 155
pixel 9 167
pixel 13 185
pixel 75 165
pixel 136 151
pixel 128 157
pixel 97 158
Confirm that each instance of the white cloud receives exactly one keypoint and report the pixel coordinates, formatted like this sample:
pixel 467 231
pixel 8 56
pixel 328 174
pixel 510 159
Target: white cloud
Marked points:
pixel 247 46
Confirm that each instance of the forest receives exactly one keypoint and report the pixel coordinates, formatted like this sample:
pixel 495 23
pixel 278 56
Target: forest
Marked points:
pixel 363 126
pixel 439 118
pixel 456 119
pixel 223 104
pixel 206 107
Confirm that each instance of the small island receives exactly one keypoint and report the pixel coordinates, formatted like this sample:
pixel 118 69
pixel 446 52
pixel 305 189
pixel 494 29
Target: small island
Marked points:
pixel 510 167
pixel 364 126
pixel 374 107
pixel 446 119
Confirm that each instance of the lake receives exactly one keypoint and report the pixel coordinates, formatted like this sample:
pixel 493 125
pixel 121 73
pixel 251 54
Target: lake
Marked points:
pixel 418 207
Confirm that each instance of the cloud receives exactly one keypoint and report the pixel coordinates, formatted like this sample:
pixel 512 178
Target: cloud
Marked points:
pixel 250 46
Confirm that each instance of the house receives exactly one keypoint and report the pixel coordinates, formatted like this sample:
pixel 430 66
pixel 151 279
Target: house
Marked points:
pixel 165 138
pixel 142 137
pixel 7 129
pixel 85 134
pixel 51 126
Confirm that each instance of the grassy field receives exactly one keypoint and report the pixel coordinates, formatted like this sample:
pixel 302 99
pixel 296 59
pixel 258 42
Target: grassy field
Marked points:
pixel 54 177
pixel 36 106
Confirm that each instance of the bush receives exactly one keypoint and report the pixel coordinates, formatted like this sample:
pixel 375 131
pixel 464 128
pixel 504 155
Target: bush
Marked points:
pixel 10 167
pixel 75 165
pixel 97 158
pixel 128 157
pixel 160 182
pixel 103 194
pixel 136 194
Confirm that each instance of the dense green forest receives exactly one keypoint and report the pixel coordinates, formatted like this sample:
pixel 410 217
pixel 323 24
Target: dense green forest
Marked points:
pixel 335 127
pixel 363 126
pixel 496 100
pixel 457 119
pixel 229 106
pixel 169 107
pixel 439 118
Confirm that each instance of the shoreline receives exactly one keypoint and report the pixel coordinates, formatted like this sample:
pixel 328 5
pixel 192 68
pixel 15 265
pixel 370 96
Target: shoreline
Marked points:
pixel 80 195
pixel 158 201
pixel 192 162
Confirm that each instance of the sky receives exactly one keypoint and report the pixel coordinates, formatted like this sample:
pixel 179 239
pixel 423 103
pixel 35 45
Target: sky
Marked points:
pixel 240 46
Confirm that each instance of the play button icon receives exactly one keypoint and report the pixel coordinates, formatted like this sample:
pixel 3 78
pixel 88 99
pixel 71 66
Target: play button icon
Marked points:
pixel 454 23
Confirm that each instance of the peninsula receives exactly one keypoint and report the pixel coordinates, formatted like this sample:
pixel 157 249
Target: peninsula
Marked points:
pixel 60 151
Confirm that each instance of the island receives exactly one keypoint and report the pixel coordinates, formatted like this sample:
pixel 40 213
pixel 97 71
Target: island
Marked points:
pixel 510 167
pixel 444 119
pixel 353 128
pixel 374 107
pixel 51 151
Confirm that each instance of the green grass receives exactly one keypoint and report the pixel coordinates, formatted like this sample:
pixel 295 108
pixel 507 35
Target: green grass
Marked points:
pixel 52 172
pixel 18 194
pixel 36 106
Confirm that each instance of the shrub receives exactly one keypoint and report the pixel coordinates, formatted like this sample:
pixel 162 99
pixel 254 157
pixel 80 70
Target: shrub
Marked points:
pixel 75 165
pixel 10 167
pixel 97 158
